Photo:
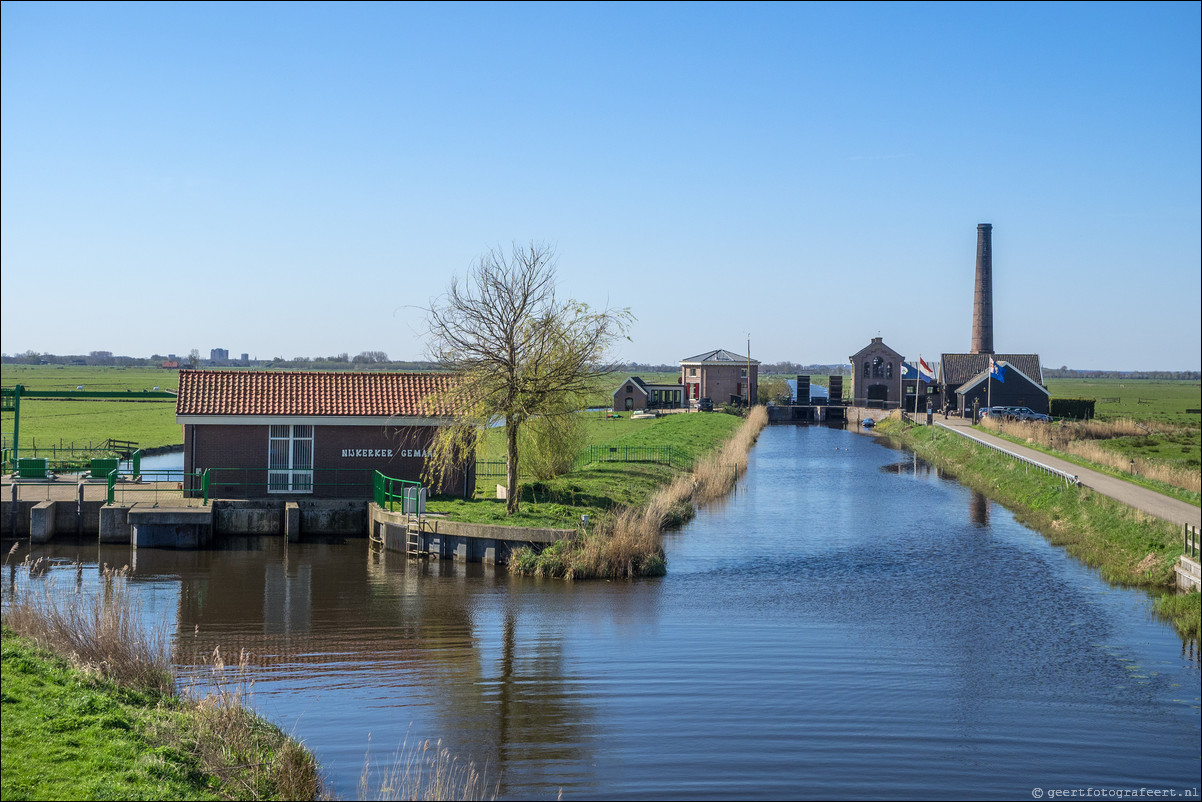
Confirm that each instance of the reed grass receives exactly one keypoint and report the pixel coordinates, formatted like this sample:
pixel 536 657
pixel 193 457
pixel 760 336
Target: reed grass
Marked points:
pixel 212 740
pixel 1082 439
pixel 425 770
pixel 101 635
pixel 627 543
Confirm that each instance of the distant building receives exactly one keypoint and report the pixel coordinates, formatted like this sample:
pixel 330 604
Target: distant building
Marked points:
pixel 876 371
pixel 634 394
pixel 171 364
pixel 219 355
pixel 970 372
pixel 722 376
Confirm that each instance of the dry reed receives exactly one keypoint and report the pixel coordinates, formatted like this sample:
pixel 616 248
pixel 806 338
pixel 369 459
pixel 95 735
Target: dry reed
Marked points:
pixel 426 771
pixel 628 544
pixel 1080 439
pixel 100 633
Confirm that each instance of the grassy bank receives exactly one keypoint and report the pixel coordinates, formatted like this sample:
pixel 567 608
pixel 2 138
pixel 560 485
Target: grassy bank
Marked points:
pixel 625 541
pixel 1127 547
pixel 598 488
pixel 91 711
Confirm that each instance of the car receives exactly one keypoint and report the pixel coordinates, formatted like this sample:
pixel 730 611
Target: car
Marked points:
pixel 1027 414
pixel 705 404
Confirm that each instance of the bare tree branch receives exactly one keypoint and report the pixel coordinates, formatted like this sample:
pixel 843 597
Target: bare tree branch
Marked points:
pixel 521 352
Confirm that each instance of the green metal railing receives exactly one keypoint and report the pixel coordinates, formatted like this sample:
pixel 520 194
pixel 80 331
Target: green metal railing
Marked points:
pixel 384 491
pixel 156 486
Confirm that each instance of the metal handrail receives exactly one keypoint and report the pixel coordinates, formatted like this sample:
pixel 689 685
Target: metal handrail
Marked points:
pixel 1069 478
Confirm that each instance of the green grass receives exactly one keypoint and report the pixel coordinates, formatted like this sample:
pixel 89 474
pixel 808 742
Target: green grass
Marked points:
pixel 1127 547
pixel 55 423
pixel 69 736
pixel 600 487
pixel 1138 399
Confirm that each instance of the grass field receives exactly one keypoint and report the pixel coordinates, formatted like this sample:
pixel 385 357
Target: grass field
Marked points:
pixel 1165 430
pixel 55 423
pixel 1138 399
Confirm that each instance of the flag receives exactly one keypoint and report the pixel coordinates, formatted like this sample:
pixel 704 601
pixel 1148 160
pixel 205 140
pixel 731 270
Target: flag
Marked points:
pixel 924 371
pixel 997 371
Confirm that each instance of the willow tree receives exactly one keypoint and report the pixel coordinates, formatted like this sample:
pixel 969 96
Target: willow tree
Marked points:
pixel 522 353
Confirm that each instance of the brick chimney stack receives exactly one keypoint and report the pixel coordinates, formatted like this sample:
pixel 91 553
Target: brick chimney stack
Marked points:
pixel 982 300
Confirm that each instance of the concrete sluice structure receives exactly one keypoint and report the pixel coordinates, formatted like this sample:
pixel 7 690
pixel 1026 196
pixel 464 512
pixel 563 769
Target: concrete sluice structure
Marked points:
pixel 44 512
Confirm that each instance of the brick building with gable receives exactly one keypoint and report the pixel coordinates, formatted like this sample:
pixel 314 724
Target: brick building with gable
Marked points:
pixel 311 434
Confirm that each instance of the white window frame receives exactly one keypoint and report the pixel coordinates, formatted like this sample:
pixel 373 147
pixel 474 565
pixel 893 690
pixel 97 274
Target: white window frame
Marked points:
pixel 290 458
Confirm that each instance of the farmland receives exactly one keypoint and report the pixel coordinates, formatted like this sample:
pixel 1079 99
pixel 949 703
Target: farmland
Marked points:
pixel 58 423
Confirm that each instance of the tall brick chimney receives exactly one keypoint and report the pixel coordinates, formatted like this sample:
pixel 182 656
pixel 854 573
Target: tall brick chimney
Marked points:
pixel 982 300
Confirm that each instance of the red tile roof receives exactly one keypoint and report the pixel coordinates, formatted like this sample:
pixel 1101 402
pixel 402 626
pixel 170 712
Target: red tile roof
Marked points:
pixel 258 392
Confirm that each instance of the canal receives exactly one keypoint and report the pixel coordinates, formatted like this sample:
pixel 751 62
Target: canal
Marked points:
pixel 848 624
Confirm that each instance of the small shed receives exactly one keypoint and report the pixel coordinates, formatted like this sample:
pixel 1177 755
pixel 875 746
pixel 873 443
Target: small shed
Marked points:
pixel 634 393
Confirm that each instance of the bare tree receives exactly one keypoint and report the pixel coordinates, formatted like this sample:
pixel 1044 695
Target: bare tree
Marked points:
pixel 521 352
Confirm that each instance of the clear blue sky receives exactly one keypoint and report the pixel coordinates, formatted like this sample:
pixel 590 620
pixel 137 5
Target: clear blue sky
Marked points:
pixel 299 180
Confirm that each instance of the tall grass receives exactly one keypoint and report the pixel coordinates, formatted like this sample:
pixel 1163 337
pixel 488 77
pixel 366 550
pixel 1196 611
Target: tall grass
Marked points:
pixel 102 635
pixel 426 771
pixel 1081 439
pixel 628 544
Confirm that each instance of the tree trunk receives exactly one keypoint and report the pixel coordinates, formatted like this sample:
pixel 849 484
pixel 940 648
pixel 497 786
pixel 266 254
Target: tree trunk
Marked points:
pixel 511 466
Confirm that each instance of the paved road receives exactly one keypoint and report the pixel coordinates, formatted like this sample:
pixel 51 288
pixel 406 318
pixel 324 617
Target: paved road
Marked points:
pixel 1149 501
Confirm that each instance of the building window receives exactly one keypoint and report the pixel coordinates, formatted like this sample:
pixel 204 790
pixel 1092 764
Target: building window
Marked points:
pixel 878 367
pixel 629 389
pixel 742 373
pixel 866 368
pixel 290 459
pixel 889 371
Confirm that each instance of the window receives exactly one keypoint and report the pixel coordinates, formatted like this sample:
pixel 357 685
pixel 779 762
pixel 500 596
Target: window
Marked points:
pixel 629 389
pixel 889 371
pixel 743 373
pixel 878 367
pixel 692 371
pixel 290 459
pixel 866 368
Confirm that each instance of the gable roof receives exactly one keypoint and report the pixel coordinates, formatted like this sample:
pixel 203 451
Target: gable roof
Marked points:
pixel 646 387
pixel 876 345
pixel 260 392
pixel 983 375
pixel 960 368
pixel 720 355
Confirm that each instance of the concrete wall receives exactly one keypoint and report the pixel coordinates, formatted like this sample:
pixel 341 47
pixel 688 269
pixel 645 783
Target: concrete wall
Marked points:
pixel 453 540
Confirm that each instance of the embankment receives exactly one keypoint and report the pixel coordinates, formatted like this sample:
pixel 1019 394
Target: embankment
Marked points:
pixel 627 543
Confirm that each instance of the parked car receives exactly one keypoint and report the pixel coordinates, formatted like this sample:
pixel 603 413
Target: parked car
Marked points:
pixel 1027 414
pixel 705 405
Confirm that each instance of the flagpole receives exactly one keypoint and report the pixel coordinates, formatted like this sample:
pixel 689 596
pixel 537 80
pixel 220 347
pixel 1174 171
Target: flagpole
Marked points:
pixel 989 385
pixel 917 384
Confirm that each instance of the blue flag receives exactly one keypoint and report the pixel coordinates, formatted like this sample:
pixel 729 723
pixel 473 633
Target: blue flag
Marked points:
pixel 997 371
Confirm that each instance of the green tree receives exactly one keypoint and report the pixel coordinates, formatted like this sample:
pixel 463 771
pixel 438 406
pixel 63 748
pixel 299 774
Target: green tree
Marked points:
pixel 521 353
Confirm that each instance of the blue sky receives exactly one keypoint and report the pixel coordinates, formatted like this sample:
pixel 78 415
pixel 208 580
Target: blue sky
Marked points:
pixel 300 180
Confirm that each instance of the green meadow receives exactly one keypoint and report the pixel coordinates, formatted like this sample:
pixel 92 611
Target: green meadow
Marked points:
pixel 59 423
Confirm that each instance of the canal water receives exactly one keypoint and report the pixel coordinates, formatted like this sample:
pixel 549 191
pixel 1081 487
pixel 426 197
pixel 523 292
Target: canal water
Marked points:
pixel 848 624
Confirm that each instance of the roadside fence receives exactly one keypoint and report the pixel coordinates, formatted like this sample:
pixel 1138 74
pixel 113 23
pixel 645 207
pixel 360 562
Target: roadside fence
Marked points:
pixel 1069 478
